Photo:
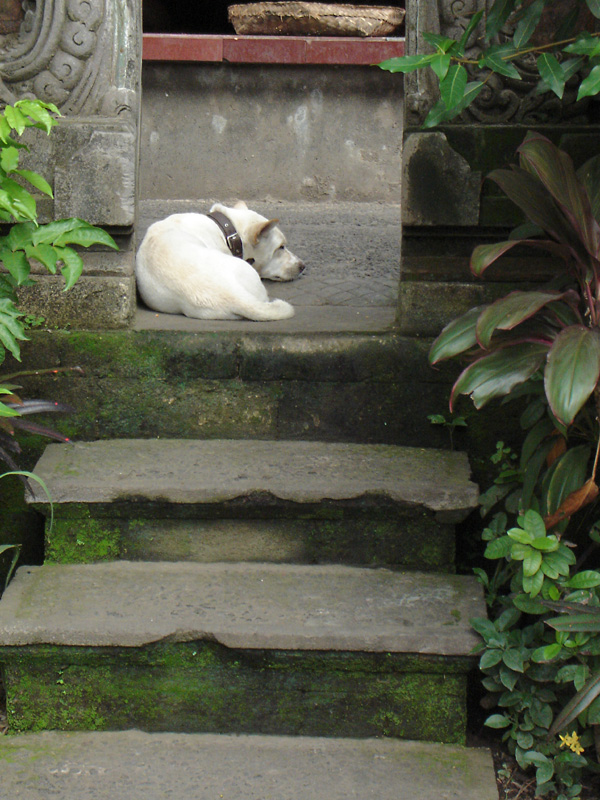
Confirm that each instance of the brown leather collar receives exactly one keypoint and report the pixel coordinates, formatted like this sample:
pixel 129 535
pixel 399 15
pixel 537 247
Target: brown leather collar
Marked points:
pixel 232 237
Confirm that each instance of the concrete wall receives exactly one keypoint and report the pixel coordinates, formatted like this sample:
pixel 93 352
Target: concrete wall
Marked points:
pixel 262 131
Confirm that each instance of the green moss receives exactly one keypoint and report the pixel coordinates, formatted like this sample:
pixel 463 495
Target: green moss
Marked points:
pixel 201 686
pixel 82 540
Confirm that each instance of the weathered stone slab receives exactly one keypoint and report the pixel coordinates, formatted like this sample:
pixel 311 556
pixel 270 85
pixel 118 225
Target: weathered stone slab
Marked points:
pixel 139 766
pixel 238 648
pixel 219 471
pixel 253 606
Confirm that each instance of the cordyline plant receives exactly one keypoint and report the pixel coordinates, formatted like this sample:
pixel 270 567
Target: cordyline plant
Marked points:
pixel 551 330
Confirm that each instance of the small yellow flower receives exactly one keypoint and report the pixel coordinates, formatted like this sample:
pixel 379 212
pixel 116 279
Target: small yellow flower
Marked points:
pixel 572 742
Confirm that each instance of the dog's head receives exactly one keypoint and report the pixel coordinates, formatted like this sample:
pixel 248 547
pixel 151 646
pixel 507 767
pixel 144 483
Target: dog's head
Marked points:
pixel 264 244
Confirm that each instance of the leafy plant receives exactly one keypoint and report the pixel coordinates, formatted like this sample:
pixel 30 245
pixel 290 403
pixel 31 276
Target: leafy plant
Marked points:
pixel 568 57
pixel 540 653
pixel 52 245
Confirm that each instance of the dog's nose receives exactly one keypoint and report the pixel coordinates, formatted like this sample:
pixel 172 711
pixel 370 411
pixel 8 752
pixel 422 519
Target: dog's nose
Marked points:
pixel 301 267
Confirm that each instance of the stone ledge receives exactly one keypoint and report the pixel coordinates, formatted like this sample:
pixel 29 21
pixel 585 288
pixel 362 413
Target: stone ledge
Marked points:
pixel 243 606
pixel 191 472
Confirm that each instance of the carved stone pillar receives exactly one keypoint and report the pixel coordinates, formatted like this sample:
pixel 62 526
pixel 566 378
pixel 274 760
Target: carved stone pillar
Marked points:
pixel 448 207
pixel 84 56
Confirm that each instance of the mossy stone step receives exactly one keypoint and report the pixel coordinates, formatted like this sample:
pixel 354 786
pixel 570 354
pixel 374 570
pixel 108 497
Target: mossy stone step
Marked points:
pixel 141 766
pixel 212 500
pixel 244 648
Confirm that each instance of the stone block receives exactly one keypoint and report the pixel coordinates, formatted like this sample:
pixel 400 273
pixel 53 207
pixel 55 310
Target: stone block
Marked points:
pixel 439 187
pixel 93 303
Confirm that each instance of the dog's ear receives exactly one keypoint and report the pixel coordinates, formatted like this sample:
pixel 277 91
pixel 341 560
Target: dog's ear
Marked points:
pixel 241 205
pixel 262 228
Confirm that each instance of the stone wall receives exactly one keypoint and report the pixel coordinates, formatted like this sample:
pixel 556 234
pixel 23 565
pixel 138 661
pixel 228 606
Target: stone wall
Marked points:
pixel 286 132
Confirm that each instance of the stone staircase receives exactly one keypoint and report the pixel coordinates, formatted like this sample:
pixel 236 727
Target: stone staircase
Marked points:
pixel 267 608
pixel 227 587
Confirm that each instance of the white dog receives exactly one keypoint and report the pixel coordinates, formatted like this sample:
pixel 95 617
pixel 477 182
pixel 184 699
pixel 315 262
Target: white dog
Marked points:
pixel 210 266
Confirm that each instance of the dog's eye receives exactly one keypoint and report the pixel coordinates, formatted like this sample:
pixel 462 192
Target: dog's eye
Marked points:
pixel 281 247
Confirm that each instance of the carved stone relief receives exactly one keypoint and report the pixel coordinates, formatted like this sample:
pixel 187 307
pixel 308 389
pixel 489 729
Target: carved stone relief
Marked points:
pixel 82 55
pixel 503 100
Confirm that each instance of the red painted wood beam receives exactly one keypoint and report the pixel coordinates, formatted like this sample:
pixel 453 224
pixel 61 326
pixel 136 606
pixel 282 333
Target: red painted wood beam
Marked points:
pixel 269 49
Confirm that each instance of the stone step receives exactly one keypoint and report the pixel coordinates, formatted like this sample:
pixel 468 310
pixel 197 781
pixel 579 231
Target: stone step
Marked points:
pixel 246 384
pixel 141 766
pixel 239 648
pixel 253 500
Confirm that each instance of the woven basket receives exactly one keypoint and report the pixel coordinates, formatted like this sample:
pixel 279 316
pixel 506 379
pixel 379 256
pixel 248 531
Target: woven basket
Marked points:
pixel 314 19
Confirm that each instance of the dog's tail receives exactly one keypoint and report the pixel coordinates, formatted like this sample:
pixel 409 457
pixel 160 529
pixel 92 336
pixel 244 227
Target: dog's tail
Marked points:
pixel 263 312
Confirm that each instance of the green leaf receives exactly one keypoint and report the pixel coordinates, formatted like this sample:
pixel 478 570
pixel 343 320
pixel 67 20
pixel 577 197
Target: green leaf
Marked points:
pixel 484 627
pixel 551 73
pixel 73 265
pixel 566 475
pixel 45 254
pixel 528 606
pixel 490 658
pixel 560 560
pixel 519 535
pixel 441 43
pixel 498 548
pixel 38 111
pixel 16 263
pixel 572 371
pixel 532 562
pixel 513 659
pixel 19 235
pixel 11 328
pixel 452 88
pixel 496 59
pixel 554 168
pixel 485 254
pixel 49 234
pixel 590 86
pixel 22 199
pixel 594 7
pixel 532 584
pixel 499 13
pixel 575 623
pixel 498 721
pixel 587 579
pixel 528 23
pixel 533 523
pixel 584 45
pixel 439 112
pixel 85 236
pixel 497 374
pixel 35 180
pixel 576 705
pixel 16 119
pixel 464 39
pixel 440 65
pixel 508 312
pixel 9 159
pixel 407 63
pixel 547 545
pixel 457 337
